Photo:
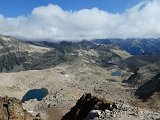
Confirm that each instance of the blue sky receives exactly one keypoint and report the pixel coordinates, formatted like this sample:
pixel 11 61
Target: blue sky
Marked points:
pixel 13 8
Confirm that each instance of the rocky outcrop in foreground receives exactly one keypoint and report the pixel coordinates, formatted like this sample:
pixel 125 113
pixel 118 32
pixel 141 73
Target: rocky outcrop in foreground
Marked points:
pixel 86 104
pixel 11 109
pixel 91 107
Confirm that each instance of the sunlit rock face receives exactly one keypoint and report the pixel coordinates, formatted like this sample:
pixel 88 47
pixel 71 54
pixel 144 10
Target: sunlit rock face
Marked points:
pixel 11 109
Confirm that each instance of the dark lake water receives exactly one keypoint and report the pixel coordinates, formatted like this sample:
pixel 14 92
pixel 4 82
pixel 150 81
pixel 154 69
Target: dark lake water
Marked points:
pixel 38 94
pixel 116 73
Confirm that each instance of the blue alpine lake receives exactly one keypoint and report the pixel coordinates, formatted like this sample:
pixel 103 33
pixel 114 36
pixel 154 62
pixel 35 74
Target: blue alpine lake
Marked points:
pixel 38 94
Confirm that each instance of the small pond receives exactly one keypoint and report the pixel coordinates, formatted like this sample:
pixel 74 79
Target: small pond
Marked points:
pixel 38 94
pixel 116 73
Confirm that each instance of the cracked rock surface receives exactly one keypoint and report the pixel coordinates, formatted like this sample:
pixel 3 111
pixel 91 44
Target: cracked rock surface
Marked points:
pixel 11 109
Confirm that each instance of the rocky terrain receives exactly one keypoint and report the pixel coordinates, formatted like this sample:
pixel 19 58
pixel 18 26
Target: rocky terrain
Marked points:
pixel 144 74
pixel 65 71
pixel 11 109
pixel 91 107
pixel 61 81
pixel 17 56
pixel 145 82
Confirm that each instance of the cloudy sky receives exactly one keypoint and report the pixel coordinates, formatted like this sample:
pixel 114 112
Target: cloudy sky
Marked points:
pixel 66 21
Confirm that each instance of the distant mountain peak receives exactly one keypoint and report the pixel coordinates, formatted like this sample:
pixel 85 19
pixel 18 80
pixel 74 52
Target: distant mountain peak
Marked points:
pixel 135 46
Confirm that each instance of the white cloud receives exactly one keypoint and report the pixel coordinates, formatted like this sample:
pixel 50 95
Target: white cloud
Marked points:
pixel 53 23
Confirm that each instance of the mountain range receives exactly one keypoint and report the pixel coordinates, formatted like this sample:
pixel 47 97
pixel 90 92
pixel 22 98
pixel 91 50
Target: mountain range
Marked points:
pixel 135 46
pixel 123 71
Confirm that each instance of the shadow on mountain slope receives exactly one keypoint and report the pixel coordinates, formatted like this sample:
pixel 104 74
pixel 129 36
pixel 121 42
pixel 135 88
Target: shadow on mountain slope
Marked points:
pixel 149 88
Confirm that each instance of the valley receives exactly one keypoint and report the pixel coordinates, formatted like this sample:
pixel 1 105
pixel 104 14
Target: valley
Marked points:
pixel 69 70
